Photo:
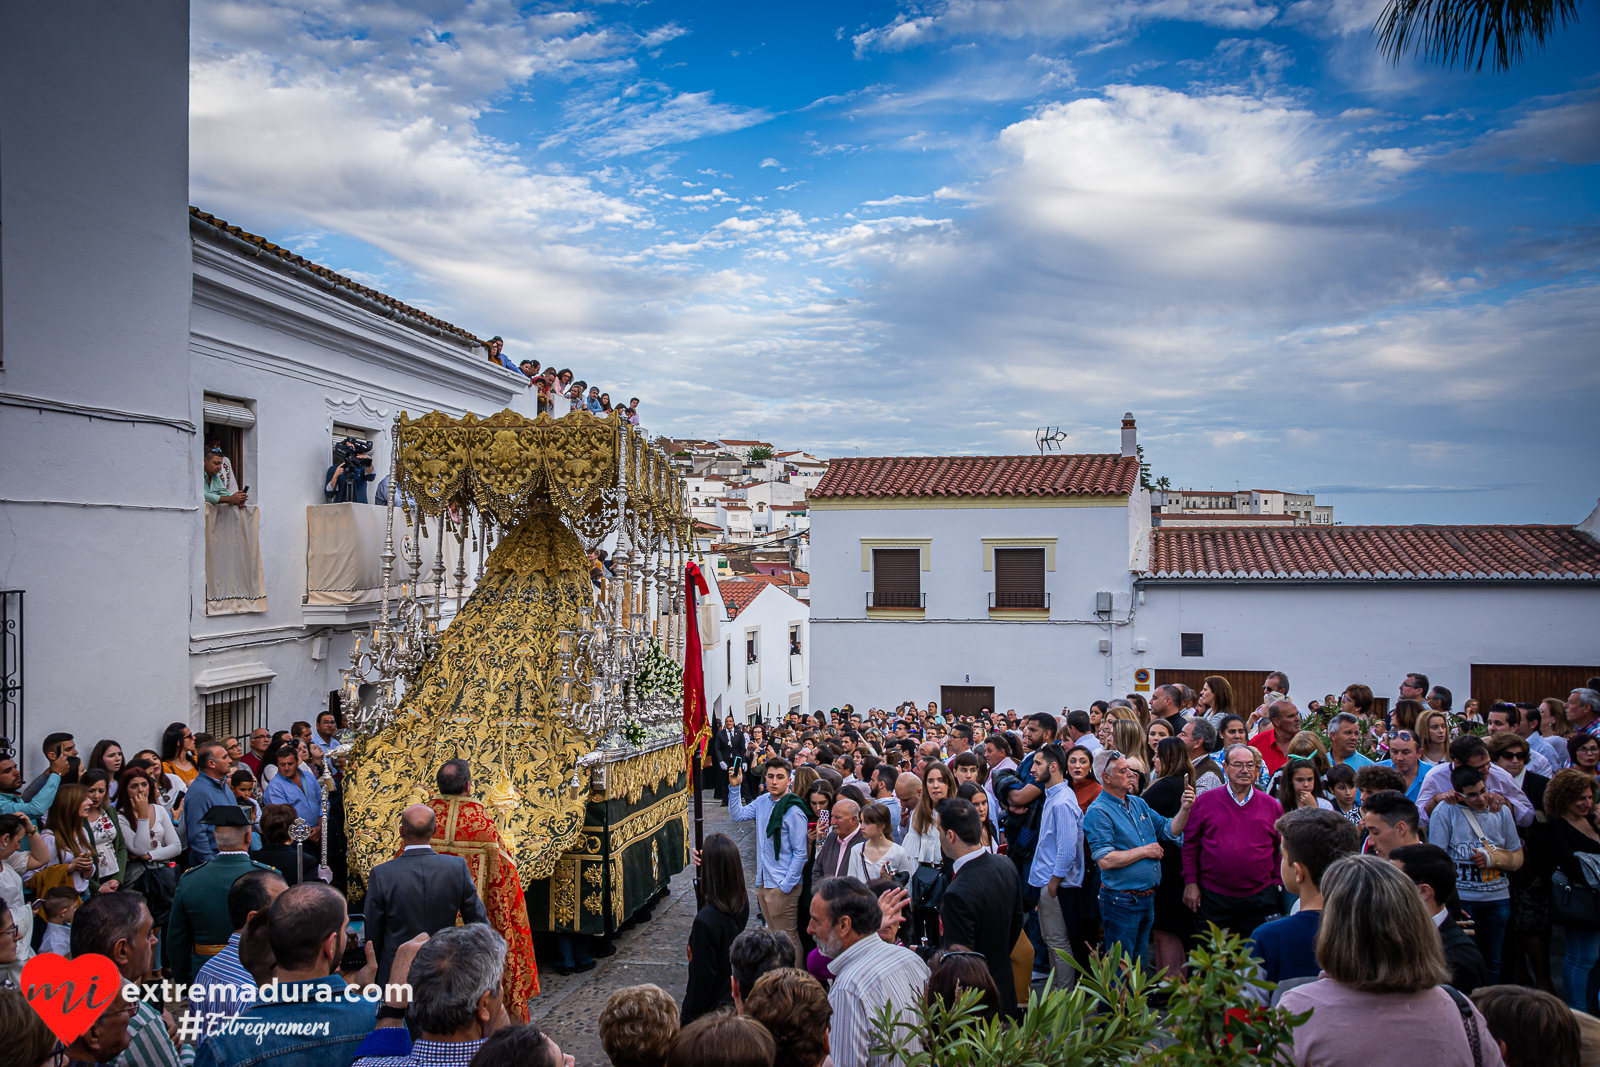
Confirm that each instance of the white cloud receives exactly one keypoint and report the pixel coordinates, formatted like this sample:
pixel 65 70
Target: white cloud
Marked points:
pixel 1051 19
pixel 602 125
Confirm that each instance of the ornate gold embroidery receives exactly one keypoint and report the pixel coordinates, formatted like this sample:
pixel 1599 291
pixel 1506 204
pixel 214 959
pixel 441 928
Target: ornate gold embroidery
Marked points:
pixel 629 778
pixel 564 893
pixel 655 860
pixel 593 875
pixel 592 904
pixel 488 696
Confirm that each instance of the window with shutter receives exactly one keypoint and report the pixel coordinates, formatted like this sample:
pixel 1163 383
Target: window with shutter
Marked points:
pixel 896 578
pixel 1019 578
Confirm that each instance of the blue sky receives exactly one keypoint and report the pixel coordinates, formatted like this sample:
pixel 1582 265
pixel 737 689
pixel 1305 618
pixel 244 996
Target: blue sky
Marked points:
pixel 930 229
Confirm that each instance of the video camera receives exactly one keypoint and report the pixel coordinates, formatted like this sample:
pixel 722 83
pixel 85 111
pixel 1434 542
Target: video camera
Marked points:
pixel 347 450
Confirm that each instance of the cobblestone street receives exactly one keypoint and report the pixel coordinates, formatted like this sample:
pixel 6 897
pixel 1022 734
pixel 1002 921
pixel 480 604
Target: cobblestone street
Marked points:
pixel 568 1007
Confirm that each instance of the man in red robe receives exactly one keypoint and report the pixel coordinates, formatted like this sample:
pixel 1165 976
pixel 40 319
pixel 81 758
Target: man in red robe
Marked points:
pixel 466 829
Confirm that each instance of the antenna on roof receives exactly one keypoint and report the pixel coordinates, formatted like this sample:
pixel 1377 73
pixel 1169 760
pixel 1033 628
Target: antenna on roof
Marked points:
pixel 1049 438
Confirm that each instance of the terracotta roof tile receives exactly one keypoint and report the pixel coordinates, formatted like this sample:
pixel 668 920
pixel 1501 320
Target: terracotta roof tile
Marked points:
pixel 1376 552
pixel 780 580
pixel 331 276
pixel 903 476
pixel 738 595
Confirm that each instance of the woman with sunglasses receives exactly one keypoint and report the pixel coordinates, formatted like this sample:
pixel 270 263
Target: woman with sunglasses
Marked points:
pixel 1526 959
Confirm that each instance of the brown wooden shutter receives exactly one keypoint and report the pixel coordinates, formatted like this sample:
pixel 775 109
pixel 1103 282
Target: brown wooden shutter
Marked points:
pixel 896 578
pixel 1019 577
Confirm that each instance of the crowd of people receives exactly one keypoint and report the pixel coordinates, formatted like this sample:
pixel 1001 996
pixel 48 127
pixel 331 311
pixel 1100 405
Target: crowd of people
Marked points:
pixel 1382 862
pixel 198 869
pixel 1405 865
pixel 559 392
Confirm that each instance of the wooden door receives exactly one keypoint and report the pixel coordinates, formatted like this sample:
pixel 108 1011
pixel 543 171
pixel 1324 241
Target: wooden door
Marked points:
pixel 1246 685
pixel 1524 683
pixel 966 700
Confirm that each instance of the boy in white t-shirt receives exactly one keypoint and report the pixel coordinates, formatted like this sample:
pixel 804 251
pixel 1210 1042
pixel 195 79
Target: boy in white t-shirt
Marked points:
pixel 1485 846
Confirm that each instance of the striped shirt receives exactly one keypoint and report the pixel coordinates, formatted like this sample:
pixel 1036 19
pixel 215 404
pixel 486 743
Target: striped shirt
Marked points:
pixel 148 1043
pixel 868 975
pixel 220 975
pixel 428 1054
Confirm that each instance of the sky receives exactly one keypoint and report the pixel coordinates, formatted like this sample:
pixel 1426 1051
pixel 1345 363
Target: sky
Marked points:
pixel 930 229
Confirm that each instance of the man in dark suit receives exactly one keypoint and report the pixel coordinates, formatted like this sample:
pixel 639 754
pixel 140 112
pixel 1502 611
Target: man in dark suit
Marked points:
pixel 982 908
pixel 1434 872
pixel 727 743
pixel 419 891
pixel 842 835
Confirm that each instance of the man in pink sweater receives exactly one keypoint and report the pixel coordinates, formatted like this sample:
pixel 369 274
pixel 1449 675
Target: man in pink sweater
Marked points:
pixel 1230 851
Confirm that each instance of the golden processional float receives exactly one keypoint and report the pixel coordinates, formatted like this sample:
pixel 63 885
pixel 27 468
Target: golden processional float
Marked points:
pixel 562 693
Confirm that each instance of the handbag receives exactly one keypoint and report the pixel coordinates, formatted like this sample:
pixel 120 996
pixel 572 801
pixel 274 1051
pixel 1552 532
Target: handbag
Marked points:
pixel 159 884
pixel 1575 906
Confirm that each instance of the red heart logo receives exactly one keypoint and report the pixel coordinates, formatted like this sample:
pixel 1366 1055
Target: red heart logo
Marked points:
pixel 70 995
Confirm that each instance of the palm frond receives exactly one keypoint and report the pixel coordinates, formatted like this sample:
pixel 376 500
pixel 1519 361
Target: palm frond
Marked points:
pixel 1468 31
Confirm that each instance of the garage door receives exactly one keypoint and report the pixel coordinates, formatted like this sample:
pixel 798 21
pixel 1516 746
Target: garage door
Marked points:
pixel 1523 683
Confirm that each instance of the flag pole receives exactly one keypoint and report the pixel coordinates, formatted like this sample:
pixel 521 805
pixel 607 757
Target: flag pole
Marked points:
pixel 696 730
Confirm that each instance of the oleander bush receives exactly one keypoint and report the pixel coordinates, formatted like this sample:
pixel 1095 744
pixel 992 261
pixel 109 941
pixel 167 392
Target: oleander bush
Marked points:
pixel 1215 1018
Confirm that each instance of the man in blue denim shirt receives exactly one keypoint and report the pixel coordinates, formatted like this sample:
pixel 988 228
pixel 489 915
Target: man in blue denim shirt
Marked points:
pixel 309 1016
pixel 1123 837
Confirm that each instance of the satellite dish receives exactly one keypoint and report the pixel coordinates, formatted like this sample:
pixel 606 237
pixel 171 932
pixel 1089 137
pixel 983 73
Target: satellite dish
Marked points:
pixel 1049 438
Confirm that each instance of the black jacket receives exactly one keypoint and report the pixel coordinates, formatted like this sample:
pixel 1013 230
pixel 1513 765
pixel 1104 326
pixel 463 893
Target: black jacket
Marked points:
pixel 282 857
pixel 710 970
pixel 982 909
pixel 725 745
pixel 1462 956
pixel 417 892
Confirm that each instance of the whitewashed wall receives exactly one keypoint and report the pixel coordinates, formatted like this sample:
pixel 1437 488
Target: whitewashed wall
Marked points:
pixel 304 359
pixel 1034 666
pixel 98 515
pixel 1329 636
pixel 771 612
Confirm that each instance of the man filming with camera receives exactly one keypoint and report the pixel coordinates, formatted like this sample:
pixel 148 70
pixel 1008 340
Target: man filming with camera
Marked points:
pixel 346 481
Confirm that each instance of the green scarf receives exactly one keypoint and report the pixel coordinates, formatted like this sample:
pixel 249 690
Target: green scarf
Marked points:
pixel 775 820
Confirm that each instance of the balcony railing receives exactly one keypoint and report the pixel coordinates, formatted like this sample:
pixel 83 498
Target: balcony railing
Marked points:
pixel 752 678
pixel 897 600
pixel 1027 600
pixel 797 668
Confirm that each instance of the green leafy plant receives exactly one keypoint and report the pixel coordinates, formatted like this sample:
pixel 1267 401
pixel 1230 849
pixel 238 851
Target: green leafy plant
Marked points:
pixel 1215 1018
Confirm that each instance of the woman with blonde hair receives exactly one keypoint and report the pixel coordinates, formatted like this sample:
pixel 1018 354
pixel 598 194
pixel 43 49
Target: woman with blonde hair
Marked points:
pixel 1433 733
pixel 1129 739
pixel 67 838
pixel 1383 997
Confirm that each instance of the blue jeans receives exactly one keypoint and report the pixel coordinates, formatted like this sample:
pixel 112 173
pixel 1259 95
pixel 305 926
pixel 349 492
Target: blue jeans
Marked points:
pixel 1128 920
pixel 1579 967
pixel 1490 919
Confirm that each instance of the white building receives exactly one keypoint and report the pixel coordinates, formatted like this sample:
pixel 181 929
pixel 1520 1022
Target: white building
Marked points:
pixel 134 334
pixel 756 654
pixel 1034 582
